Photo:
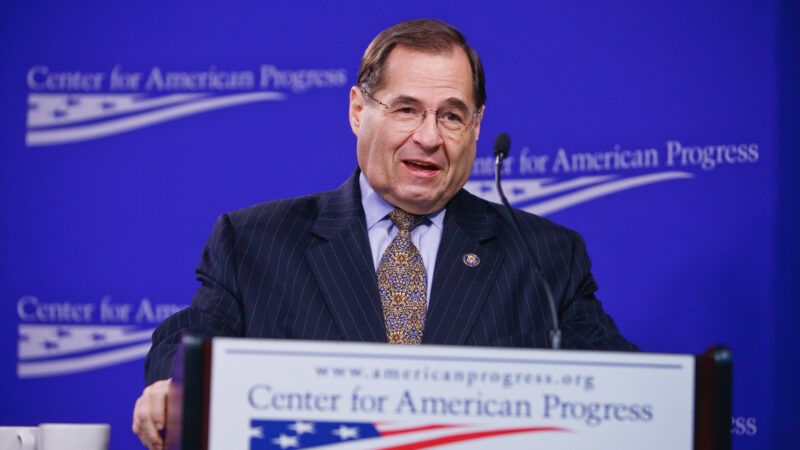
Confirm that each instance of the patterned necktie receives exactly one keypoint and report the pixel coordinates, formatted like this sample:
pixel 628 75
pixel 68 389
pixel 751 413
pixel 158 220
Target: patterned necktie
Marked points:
pixel 403 284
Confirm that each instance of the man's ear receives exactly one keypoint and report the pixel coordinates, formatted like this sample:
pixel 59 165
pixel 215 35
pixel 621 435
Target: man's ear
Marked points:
pixel 356 108
pixel 478 120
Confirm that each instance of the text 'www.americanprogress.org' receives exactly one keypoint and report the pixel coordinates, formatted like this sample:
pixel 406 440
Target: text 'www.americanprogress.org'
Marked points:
pixel 469 378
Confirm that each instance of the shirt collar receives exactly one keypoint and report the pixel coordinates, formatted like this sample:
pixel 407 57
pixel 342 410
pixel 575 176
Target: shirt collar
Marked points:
pixel 376 208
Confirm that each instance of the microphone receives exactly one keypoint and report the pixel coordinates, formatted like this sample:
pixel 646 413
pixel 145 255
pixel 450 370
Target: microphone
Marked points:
pixel 502 145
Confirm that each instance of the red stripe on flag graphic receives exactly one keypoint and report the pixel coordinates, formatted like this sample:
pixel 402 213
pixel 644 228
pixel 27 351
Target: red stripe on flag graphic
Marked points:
pixel 470 436
pixel 415 429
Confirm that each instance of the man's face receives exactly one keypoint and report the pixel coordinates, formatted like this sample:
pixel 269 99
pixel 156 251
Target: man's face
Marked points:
pixel 420 170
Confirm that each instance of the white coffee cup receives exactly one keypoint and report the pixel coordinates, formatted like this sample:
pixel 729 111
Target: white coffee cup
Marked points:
pixel 18 438
pixel 74 436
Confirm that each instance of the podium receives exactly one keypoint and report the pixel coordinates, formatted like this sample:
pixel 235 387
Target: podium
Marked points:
pixel 237 394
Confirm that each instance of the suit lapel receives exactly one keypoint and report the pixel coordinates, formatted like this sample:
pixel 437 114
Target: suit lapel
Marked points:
pixel 459 290
pixel 342 265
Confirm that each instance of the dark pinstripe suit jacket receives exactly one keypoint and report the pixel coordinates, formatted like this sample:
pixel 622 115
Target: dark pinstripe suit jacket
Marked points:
pixel 301 269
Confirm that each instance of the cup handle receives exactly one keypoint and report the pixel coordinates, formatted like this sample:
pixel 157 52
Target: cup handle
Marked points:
pixel 27 440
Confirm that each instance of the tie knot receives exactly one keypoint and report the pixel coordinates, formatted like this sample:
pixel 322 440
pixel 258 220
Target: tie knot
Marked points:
pixel 405 221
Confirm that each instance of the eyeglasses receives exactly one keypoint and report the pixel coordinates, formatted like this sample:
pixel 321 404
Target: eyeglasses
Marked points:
pixel 408 115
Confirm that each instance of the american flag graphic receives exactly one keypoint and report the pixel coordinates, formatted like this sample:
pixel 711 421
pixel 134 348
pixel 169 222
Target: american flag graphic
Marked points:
pixel 51 350
pixel 55 118
pixel 543 196
pixel 344 435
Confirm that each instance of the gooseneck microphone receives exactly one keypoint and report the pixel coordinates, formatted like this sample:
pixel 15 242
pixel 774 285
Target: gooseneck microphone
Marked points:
pixel 502 145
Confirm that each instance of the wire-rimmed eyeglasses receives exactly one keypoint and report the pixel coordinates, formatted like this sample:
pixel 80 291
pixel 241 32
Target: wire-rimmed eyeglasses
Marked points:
pixel 408 114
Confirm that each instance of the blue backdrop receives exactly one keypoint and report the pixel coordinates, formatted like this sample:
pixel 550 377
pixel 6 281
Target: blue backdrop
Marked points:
pixel 660 131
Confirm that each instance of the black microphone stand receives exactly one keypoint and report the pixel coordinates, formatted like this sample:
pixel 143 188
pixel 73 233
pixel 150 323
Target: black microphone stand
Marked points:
pixel 502 144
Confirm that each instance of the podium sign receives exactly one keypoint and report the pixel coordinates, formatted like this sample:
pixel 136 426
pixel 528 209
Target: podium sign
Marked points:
pixel 267 394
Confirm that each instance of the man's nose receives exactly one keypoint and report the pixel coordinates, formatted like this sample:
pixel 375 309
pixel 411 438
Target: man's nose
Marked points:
pixel 428 135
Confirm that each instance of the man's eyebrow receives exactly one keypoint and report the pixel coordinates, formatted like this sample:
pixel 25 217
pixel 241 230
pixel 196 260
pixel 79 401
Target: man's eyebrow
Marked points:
pixel 405 99
pixel 456 103
pixel 452 102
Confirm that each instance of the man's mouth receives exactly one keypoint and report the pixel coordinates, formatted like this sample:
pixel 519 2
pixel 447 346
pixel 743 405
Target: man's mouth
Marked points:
pixel 418 165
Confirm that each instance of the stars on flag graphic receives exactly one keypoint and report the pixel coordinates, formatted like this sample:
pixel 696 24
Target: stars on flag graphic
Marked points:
pixel 57 118
pixel 545 196
pixel 52 350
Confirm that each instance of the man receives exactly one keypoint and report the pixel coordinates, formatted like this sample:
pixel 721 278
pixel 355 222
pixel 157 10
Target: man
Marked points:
pixel 399 253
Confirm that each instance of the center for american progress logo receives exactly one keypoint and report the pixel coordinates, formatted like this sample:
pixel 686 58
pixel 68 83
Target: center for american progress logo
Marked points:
pixel 70 106
pixel 63 337
pixel 67 106
pixel 550 182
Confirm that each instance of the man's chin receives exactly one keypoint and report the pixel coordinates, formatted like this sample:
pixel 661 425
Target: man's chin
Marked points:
pixel 418 204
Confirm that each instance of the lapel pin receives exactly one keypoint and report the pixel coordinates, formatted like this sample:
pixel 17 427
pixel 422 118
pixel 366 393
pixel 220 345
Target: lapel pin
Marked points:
pixel 471 260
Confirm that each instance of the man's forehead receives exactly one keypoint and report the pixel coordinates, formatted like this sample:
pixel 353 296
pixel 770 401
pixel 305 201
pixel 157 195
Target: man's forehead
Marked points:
pixel 448 70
